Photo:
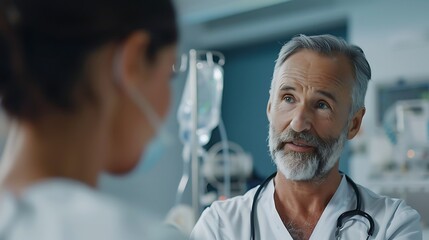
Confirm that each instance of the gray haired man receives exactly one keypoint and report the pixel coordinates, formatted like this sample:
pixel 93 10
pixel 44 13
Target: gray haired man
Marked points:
pixel 316 104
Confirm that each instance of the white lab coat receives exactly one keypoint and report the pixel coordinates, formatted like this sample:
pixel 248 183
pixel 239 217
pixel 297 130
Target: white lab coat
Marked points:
pixel 230 219
pixel 67 210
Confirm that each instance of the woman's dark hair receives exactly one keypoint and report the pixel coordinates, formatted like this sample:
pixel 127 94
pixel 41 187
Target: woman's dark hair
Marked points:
pixel 44 45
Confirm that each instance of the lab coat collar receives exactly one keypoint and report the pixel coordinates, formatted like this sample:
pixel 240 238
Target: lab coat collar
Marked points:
pixel 342 201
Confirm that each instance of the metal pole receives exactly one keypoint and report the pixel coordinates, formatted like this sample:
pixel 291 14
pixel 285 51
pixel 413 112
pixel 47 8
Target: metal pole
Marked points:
pixel 194 138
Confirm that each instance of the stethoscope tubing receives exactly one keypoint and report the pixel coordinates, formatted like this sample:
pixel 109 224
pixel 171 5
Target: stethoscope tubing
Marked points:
pixel 340 220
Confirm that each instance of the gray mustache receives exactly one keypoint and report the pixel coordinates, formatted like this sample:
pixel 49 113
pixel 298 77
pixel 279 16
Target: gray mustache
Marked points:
pixel 290 135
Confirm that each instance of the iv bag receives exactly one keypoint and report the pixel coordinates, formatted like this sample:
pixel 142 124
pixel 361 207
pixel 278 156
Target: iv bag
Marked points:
pixel 209 96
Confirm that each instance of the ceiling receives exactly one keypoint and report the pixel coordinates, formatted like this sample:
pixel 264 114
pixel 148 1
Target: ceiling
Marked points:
pixel 200 11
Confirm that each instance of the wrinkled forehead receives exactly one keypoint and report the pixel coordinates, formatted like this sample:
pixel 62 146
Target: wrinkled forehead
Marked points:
pixel 308 67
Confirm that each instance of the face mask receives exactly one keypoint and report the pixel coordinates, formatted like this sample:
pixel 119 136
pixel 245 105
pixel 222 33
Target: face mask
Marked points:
pixel 154 151
pixel 158 146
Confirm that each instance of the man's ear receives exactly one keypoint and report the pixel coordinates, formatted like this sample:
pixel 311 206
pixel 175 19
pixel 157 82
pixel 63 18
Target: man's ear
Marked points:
pixel 131 63
pixel 269 110
pixel 355 123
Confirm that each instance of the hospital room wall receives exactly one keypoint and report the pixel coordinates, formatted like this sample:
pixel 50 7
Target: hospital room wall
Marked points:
pixel 395 37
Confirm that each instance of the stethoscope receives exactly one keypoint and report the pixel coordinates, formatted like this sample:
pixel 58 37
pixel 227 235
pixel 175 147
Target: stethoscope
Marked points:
pixel 340 221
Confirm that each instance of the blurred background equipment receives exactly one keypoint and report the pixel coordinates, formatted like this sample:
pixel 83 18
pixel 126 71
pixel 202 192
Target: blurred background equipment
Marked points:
pixel 198 114
pixel 241 166
pixel 397 163
pixel 406 123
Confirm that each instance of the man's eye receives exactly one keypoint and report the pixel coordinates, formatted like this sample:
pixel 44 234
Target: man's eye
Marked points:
pixel 289 99
pixel 323 105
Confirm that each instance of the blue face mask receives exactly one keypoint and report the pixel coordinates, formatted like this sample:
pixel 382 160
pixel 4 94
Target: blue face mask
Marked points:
pixel 154 152
pixel 160 144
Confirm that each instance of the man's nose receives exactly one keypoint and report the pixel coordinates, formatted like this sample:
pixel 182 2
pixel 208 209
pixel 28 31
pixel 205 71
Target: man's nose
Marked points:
pixel 302 119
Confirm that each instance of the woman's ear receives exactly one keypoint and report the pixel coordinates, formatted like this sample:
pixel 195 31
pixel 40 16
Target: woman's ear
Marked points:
pixel 131 64
pixel 355 123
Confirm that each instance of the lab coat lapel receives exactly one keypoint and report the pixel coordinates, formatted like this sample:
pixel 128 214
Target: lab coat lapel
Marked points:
pixel 272 220
pixel 342 201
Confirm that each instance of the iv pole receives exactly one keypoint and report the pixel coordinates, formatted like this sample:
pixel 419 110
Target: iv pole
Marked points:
pixel 195 165
pixel 195 150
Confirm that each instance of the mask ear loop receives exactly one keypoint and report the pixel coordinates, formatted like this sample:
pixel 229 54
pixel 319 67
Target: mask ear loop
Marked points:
pixel 139 100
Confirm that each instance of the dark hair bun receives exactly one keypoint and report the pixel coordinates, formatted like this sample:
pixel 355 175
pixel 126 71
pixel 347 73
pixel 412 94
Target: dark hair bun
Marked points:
pixel 10 60
pixel 44 45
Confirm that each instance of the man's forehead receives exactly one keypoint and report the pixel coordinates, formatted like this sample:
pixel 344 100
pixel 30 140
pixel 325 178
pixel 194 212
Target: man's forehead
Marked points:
pixel 308 65
pixel 334 59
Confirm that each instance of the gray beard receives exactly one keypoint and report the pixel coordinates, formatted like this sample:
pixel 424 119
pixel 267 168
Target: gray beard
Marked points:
pixel 313 166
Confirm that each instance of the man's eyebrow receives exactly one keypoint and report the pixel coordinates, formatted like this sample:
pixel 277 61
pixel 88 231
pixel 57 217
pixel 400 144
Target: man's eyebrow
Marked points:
pixel 324 93
pixel 327 94
pixel 287 88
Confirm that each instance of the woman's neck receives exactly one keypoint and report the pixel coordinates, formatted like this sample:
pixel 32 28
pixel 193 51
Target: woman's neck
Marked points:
pixel 58 146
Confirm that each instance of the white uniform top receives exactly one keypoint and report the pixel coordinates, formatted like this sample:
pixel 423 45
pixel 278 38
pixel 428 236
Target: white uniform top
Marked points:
pixel 67 210
pixel 230 219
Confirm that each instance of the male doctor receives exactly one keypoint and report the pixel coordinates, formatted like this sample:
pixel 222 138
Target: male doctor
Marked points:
pixel 316 104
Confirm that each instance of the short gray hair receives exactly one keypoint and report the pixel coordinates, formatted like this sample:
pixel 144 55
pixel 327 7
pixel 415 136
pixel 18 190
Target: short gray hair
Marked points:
pixel 328 45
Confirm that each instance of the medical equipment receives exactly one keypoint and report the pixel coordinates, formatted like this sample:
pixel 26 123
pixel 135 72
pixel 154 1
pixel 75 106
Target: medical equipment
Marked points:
pixel 209 80
pixel 241 166
pixel 407 125
pixel 340 221
pixel 198 115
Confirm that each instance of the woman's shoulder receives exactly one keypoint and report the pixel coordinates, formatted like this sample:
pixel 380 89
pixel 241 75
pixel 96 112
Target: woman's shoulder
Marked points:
pixel 64 209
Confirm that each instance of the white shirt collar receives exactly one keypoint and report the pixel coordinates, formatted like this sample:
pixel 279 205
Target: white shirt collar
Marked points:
pixel 343 200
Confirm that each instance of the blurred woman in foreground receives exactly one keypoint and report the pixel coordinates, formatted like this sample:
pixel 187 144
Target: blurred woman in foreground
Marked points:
pixel 85 84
